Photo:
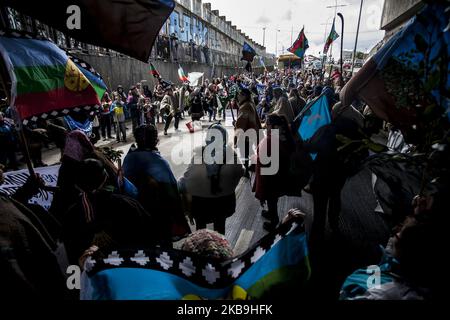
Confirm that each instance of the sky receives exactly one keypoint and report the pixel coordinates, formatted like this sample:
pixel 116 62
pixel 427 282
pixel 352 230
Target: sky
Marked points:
pixel 251 16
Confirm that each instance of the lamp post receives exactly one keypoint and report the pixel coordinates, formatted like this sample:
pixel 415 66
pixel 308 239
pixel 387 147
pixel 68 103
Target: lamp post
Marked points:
pixel 357 34
pixel 276 42
pixel 264 36
pixel 342 42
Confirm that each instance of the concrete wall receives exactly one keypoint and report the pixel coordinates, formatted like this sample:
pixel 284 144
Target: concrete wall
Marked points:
pixel 397 12
pixel 127 71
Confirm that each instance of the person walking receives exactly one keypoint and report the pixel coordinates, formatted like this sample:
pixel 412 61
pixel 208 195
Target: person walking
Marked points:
pixel 118 110
pixel 170 105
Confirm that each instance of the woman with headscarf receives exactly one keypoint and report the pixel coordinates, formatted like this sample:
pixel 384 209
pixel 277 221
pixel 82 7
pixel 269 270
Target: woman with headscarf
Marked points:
pixel 284 109
pixel 211 183
pixel 76 149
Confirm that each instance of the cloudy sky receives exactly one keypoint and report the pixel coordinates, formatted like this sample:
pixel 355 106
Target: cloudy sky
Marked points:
pixel 284 15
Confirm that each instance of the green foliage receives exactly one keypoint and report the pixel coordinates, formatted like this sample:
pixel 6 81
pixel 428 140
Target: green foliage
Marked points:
pixel 111 154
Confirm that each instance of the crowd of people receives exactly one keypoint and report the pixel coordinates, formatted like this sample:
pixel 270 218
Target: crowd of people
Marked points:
pixel 102 206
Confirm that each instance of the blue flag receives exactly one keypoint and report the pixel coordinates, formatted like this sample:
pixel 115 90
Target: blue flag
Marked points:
pixel 279 261
pixel 248 53
pixel 317 116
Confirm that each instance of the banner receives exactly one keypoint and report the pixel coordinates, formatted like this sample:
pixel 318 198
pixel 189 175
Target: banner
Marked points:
pixel 15 179
pixel 193 78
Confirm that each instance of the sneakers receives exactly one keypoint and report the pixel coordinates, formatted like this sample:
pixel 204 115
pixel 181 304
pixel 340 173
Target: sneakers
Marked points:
pixel 165 132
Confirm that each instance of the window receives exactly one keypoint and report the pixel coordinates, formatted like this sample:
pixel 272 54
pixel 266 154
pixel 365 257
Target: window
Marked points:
pixel 186 34
pixel 175 23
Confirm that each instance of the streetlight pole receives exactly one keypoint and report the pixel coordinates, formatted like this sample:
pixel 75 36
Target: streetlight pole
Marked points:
pixel 276 42
pixel 357 34
pixel 336 5
pixel 264 36
pixel 342 43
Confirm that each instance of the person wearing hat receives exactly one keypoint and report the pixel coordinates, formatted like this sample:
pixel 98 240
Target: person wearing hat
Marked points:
pixel 296 101
pixel 247 119
pixel 170 104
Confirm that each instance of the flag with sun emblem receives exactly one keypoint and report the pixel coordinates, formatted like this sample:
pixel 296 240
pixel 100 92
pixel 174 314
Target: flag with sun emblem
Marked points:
pixel 44 80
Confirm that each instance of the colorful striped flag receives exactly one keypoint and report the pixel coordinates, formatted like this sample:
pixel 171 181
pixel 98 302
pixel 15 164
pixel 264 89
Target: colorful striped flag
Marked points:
pixel 300 45
pixel 331 37
pixel 182 75
pixel 154 72
pixel 43 77
pixel 95 78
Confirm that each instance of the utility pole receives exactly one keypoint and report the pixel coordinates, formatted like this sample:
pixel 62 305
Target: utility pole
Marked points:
pixel 336 5
pixel 342 44
pixel 264 36
pixel 292 31
pixel 357 34
pixel 276 42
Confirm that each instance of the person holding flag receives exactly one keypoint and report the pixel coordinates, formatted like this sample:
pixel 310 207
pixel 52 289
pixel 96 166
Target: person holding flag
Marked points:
pixel 248 54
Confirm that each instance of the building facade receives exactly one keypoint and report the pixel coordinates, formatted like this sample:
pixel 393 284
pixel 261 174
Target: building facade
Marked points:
pixel 194 33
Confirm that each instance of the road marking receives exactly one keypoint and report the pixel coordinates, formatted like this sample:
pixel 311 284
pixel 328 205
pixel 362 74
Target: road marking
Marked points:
pixel 243 242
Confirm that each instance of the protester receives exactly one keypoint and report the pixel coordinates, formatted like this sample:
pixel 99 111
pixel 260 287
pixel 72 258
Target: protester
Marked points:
pixel 170 105
pixel 211 184
pixel 269 187
pixel 196 105
pixel 118 110
pixel 105 117
pixel 103 218
pixel 8 144
pixel 247 120
pixel 132 104
pixel 156 184
pixel 208 244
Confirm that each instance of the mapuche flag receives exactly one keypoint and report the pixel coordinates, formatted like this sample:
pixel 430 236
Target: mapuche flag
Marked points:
pixel 331 37
pixel 276 264
pixel 44 79
pixel 127 26
pixel 300 45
